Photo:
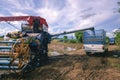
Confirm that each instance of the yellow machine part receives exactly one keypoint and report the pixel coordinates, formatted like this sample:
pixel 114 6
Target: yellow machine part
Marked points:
pixel 21 52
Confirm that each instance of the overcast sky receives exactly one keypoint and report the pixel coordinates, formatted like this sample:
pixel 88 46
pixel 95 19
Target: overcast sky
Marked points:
pixel 63 15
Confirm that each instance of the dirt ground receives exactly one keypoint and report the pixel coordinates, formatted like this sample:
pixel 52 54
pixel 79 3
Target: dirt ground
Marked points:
pixel 76 65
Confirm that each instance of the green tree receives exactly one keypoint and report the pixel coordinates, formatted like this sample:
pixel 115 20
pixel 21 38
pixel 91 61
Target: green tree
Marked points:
pixel 107 39
pixel 117 38
pixel 65 38
pixel 117 33
pixel 79 36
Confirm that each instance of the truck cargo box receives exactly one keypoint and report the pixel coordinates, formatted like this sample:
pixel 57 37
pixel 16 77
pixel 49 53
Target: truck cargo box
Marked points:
pixel 94 37
pixel 94 41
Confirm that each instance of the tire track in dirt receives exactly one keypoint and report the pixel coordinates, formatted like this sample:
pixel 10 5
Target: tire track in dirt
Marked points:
pixel 95 65
pixel 75 67
pixel 88 68
pixel 96 75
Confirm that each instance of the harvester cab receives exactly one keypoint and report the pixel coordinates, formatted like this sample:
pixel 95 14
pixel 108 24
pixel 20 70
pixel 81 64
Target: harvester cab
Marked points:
pixel 30 48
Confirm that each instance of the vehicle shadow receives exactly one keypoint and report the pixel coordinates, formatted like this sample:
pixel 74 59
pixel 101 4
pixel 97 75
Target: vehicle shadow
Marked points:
pixel 115 53
pixel 112 54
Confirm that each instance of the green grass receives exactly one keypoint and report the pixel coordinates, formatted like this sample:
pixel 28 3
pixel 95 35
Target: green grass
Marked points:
pixel 117 65
pixel 1 38
pixel 114 62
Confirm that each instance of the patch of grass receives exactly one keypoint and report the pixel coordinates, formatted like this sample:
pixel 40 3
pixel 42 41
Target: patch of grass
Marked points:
pixel 1 39
pixel 117 65
pixel 114 62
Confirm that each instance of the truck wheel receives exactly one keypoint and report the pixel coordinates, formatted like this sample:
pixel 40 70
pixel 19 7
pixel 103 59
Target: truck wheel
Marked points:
pixel 106 50
pixel 88 53
pixel 105 53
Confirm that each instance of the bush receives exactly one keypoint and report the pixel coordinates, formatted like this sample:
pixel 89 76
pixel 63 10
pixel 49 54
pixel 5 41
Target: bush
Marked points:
pixel 79 36
pixel 72 41
pixel 107 40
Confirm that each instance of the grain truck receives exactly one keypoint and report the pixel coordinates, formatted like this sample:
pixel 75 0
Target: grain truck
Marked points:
pixel 94 41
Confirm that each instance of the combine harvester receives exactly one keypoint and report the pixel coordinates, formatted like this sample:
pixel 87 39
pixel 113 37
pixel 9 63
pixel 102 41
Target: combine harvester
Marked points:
pixel 30 50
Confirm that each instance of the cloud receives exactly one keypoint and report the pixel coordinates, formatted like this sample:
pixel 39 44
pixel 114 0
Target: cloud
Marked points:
pixel 19 14
pixel 21 4
pixel 110 35
pixel 50 15
pixel 85 16
pixel 63 15
pixel 116 30
pixel 77 14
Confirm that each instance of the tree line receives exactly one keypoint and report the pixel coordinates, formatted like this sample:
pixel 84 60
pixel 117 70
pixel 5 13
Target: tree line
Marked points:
pixel 79 38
